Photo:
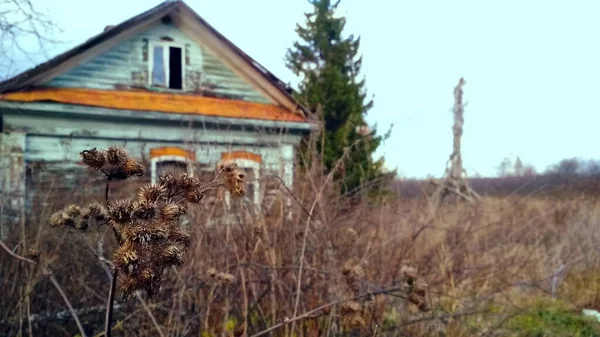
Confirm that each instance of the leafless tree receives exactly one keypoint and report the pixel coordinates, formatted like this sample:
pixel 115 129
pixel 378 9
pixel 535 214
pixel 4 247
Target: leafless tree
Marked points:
pixel 21 24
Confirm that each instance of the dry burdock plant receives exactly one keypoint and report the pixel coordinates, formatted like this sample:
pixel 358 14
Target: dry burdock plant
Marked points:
pixel 148 229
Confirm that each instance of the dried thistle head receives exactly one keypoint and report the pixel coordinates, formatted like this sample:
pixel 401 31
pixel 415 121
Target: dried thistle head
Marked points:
pixel 150 193
pixel 180 235
pixel 350 307
pixel 187 182
pixel 94 158
pixel 144 210
pixel 355 321
pixel 121 211
pixel 233 179
pixel 96 211
pixel 171 211
pixel 133 168
pixel 116 155
pixel 33 254
pixel 211 272
pixel 194 196
pixel 167 180
pixel 73 211
pixel 125 256
pixel 113 162
pixel 225 278
pixel 171 256
pixel 409 274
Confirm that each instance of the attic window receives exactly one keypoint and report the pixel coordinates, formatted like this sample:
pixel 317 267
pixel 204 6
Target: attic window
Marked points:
pixel 167 67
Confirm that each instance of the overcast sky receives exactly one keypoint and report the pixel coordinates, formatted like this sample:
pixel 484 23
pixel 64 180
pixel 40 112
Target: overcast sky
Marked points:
pixel 532 69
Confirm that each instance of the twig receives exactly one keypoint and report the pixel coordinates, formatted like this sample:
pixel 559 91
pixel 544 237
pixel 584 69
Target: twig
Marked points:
pixel 307 227
pixel 139 297
pixel 48 273
pixel 311 312
pixel 68 303
pixel 109 304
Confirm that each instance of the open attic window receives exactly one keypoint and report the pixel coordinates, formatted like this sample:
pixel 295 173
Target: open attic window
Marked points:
pixel 167 67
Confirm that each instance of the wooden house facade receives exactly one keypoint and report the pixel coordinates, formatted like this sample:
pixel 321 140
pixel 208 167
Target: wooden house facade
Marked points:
pixel 165 85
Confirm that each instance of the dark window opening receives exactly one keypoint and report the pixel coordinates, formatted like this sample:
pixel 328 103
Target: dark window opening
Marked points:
pixel 175 68
pixel 175 167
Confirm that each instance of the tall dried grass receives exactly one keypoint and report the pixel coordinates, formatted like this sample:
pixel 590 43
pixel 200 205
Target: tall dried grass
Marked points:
pixel 368 268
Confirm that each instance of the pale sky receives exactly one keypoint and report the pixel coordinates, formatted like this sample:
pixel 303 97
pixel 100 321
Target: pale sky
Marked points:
pixel 532 69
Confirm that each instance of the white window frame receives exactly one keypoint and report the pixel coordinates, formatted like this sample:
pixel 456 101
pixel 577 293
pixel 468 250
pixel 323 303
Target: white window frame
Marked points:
pixel 156 160
pixel 165 46
pixel 244 163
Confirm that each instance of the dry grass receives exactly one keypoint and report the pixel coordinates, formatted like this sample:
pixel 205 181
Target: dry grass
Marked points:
pixel 472 269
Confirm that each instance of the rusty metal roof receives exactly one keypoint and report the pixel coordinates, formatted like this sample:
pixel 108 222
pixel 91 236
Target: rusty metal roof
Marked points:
pixel 25 79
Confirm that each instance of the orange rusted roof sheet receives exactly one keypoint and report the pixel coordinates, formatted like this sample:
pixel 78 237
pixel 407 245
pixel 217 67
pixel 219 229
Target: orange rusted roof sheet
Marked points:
pixel 161 102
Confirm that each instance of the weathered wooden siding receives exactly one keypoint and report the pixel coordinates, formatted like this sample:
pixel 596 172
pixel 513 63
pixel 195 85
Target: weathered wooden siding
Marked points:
pixel 124 67
pixel 54 167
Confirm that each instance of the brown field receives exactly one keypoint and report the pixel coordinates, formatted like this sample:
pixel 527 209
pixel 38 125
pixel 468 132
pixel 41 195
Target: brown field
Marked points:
pixel 517 264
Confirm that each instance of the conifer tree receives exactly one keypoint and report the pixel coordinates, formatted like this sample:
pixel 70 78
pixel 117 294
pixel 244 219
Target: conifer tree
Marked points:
pixel 328 64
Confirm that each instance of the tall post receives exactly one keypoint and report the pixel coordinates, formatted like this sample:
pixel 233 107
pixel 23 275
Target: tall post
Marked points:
pixel 454 181
pixel 12 178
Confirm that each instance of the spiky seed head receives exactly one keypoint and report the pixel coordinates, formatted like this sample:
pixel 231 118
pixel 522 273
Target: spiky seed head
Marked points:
pixel 171 255
pixel 225 278
pixel 116 155
pixel 94 158
pixel 356 321
pixel 133 168
pixel 127 284
pixel 180 235
pixel 167 180
pixel 33 254
pixel 420 288
pixel 350 307
pixel 194 196
pixel 144 234
pixel 409 274
pixel 211 272
pixel 188 182
pixel 151 192
pixel 233 179
pixel 415 299
pixel 73 210
pixel 125 255
pixel 170 212
pixel 121 211
pixel 56 219
pixel 143 210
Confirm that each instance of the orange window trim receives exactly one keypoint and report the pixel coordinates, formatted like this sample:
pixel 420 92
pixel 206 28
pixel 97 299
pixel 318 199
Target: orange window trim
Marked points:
pixel 172 151
pixel 161 102
pixel 241 155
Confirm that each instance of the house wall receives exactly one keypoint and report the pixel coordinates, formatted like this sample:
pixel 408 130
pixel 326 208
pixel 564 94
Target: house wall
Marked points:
pixel 49 147
pixel 127 66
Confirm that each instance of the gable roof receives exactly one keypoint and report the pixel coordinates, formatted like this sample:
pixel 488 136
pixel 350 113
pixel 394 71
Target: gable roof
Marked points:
pixel 182 15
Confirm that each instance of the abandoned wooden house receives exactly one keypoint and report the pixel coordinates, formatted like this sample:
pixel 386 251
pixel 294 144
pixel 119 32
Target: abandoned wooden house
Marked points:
pixel 164 84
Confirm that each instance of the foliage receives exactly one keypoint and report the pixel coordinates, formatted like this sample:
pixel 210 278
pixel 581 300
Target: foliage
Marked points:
pixel 553 320
pixel 329 66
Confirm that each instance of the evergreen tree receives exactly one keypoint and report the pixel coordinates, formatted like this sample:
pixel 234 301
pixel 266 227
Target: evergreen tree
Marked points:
pixel 329 67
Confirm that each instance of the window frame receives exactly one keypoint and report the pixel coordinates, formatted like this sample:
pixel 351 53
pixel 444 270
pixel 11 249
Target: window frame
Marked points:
pixel 166 61
pixel 162 154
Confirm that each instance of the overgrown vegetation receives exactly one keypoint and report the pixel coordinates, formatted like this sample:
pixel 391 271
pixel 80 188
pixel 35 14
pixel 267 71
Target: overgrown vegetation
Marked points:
pixel 489 268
